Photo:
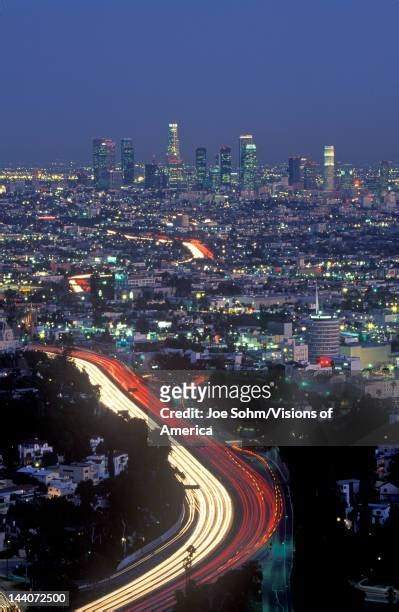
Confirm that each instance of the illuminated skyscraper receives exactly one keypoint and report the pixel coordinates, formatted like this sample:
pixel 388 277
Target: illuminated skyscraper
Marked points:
pixel 244 140
pixel 249 167
pixel 127 161
pixel 329 168
pixel 225 166
pixel 103 161
pixel 175 164
pixel 323 335
pixel 201 167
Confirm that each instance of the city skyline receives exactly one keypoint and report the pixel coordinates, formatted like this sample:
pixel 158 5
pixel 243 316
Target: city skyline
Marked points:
pixel 125 88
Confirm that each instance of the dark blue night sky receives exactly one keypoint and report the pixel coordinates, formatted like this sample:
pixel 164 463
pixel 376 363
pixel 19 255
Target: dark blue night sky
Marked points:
pixel 297 74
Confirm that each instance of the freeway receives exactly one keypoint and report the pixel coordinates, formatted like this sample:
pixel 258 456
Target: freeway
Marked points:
pixel 234 510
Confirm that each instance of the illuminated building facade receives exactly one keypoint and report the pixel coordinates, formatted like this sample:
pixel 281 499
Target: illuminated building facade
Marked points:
pixel 103 161
pixel 323 337
pixel 127 161
pixel 225 163
pixel 329 168
pixel 249 167
pixel 201 167
pixel 175 164
pixel 245 139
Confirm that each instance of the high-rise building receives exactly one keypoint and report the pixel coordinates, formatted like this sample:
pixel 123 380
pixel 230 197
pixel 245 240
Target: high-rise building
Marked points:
pixel 309 174
pixel 323 335
pixel 115 179
pixel 385 173
pixel 244 140
pixel 214 174
pixel 329 168
pixel 225 164
pixel 201 167
pixel 175 164
pixel 127 161
pixel 152 178
pixel 249 167
pixel 295 171
pixel 103 161
pixel 346 177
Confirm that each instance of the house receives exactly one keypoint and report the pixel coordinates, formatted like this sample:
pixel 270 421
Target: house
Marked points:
pixel 349 489
pixel 94 442
pixel 100 463
pixel 379 513
pixel 389 493
pixel 31 451
pixel 78 471
pixel 39 474
pixel 384 456
pixel 11 494
pixel 120 461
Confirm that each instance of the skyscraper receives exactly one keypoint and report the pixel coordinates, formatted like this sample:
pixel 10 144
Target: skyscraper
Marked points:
pixel 201 168
pixel 385 172
pixel 244 140
pixel 225 166
pixel 329 168
pixel 152 176
pixel 309 174
pixel 175 164
pixel 249 166
pixel 127 161
pixel 103 161
pixel 295 170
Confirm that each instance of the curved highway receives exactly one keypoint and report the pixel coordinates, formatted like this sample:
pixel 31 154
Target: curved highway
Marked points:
pixel 233 509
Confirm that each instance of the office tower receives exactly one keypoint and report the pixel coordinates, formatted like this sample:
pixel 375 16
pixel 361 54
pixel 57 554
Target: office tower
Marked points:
pixel 323 335
pixel 309 174
pixel 346 176
pixel 103 161
pixel 201 167
pixel 152 177
pixel 115 179
pixel 214 175
pixel 385 172
pixel 249 167
pixel 225 166
pixel 127 161
pixel 175 164
pixel 329 168
pixel 295 171
pixel 244 140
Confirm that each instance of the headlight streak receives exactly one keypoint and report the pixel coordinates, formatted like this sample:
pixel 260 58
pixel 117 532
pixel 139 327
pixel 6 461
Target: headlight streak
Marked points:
pixel 221 543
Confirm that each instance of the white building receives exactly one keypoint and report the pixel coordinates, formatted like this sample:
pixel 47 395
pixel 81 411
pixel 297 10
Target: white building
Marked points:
pixel 39 474
pixel 100 464
pixel 7 340
pixel 349 489
pixel 389 493
pixel 379 513
pixel 78 471
pixel 33 450
pixel 120 461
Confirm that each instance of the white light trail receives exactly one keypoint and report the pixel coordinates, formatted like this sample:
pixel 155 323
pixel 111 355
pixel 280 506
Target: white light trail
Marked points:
pixel 211 503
